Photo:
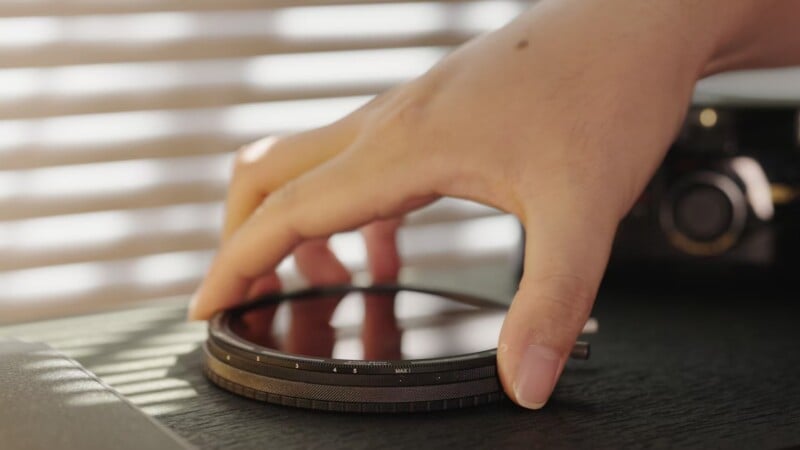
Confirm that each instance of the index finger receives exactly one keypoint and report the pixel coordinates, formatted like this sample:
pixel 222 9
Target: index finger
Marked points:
pixel 265 165
pixel 346 192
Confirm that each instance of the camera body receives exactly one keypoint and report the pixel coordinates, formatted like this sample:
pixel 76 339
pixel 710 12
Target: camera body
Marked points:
pixel 725 201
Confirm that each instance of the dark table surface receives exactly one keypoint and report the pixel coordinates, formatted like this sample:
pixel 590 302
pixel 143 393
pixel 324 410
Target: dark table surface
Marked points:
pixel 669 369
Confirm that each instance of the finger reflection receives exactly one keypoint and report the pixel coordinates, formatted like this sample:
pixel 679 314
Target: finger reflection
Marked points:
pixel 350 323
pixel 381 336
pixel 256 326
pixel 310 330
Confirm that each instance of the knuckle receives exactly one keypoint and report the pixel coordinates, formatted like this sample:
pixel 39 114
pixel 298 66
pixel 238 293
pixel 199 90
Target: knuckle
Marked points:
pixel 402 116
pixel 285 205
pixel 250 155
pixel 569 292
pixel 400 136
pixel 564 304
pixel 286 195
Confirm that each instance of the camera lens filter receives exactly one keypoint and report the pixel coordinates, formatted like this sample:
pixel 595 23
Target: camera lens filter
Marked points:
pixel 380 348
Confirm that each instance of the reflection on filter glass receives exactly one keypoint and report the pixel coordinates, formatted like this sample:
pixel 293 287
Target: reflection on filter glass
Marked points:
pixel 406 325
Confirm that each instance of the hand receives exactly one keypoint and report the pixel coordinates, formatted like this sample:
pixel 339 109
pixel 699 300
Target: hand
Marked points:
pixel 559 118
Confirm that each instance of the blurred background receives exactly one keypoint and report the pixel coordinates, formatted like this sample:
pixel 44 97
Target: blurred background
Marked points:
pixel 118 119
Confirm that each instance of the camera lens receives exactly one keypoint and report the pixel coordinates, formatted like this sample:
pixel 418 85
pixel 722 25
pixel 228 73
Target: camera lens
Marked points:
pixel 704 214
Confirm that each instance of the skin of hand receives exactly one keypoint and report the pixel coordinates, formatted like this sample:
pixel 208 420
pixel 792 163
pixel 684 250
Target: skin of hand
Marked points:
pixel 560 118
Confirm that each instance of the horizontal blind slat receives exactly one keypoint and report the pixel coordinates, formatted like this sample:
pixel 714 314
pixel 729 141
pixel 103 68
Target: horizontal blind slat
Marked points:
pixel 64 54
pixel 48 41
pixel 28 8
pixel 119 234
pixel 38 156
pixel 92 89
pixel 108 186
pixel 149 197
pixel 105 283
pixel 117 119
pixel 78 139
pixel 175 99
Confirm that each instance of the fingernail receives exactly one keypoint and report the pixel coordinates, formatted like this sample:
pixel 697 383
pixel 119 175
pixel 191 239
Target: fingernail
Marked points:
pixel 536 376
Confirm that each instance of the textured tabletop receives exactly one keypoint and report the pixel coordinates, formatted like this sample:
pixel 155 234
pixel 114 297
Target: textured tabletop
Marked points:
pixel 671 369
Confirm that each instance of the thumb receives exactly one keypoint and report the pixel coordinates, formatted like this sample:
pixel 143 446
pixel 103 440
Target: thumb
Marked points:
pixel 565 257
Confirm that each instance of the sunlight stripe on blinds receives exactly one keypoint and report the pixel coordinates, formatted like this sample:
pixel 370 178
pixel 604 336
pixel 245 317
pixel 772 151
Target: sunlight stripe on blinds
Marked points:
pixel 118 119
pixel 87 89
pixel 81 287
pixel 50 41
pixel 108 235
pixel 86 7
pixel 77 139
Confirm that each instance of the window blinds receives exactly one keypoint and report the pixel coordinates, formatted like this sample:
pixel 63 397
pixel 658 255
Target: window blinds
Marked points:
pixel 118 119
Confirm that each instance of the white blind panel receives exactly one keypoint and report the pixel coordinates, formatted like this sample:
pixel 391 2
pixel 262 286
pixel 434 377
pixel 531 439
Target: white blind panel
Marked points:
pixel 50 40
pixel 88 7
pixel 118 119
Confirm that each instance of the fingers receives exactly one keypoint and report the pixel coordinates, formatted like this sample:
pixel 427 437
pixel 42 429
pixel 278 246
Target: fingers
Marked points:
pixel 258 322
pixel 265 165
pixel 380 334
pixel 566 253
pixel 319 265
pixel 310 332
pixel 341 194
pixel 383 258
pixel 268 164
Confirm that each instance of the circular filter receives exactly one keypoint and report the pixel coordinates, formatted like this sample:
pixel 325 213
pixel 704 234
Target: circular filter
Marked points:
pixel 362 349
